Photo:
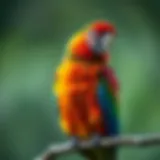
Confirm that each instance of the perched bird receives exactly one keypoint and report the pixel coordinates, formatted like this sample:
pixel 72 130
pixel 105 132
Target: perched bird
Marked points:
pixel 87 89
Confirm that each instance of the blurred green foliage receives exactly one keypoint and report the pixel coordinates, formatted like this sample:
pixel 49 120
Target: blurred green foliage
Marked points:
pixel 33 35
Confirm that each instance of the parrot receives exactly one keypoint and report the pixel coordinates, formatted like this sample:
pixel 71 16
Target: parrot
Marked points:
pixel 87 89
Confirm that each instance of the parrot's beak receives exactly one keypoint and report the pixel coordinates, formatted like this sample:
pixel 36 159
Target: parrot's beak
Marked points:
pixel 100 43
pixel 107 40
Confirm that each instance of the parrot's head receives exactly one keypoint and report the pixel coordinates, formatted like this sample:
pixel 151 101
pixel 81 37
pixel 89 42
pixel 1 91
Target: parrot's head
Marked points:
pixel 93 41
pixel 100 36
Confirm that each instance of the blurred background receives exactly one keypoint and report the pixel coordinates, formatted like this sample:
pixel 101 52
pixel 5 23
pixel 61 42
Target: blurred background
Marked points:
pixel 33 34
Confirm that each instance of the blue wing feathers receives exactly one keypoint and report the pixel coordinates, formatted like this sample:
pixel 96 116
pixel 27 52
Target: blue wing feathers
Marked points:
pixel 107 105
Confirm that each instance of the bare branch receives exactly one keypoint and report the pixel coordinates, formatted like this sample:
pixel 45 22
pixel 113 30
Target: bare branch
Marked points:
pixel 67 147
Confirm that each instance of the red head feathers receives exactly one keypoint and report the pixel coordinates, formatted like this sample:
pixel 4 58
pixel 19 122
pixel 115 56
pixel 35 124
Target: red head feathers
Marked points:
pixel 103 27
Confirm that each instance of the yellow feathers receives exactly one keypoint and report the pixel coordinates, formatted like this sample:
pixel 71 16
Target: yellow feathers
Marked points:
pixel 74 41
pixel 59 86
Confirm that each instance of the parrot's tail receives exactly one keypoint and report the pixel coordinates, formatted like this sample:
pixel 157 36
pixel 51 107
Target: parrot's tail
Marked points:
pixel 88 154
pixel 111 154
pixel 99 154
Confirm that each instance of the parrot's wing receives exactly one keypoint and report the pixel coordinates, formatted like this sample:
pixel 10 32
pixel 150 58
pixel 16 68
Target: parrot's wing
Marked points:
pixel 108 103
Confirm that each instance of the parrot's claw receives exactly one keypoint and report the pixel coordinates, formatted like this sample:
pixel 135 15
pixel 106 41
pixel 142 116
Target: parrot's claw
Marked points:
pixel 96 140
pixel 74 141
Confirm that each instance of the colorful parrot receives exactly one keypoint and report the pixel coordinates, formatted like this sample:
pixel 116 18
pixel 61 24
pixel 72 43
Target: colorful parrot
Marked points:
pixel 87 89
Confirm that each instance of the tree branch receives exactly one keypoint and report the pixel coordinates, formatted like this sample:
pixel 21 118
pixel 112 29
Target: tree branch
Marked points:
pixel 67 147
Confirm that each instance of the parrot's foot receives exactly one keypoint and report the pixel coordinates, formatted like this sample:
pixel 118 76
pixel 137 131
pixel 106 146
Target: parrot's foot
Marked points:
pixel 96 140
pixel 74 141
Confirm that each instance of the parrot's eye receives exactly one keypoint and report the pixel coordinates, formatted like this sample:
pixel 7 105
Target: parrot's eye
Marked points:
pixel 92 38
